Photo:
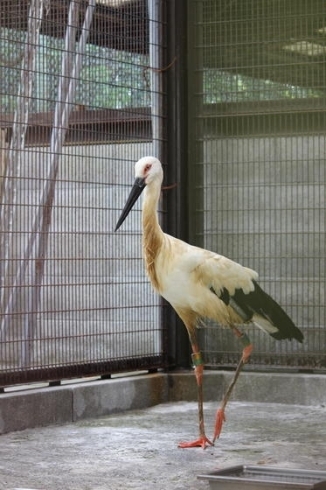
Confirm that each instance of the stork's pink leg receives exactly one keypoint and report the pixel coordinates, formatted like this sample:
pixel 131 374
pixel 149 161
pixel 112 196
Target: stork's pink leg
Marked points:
pixel 246 352
pixel 202 440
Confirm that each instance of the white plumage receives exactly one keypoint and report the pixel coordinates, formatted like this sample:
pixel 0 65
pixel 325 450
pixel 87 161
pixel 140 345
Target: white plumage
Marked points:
pixel 201 284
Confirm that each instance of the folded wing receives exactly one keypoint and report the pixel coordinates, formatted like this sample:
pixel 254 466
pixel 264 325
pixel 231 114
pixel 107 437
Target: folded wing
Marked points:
pixel 237 287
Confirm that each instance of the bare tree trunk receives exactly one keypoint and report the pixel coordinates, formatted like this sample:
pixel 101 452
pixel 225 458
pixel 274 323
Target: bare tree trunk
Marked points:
pixel 71 66
pixel 3 159
pixel 14 157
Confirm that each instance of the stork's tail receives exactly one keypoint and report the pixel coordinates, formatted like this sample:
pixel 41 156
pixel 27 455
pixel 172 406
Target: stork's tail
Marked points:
pixel 258 307
pixel 269 316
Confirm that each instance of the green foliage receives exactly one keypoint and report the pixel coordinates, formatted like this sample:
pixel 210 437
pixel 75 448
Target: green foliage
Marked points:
pixel 117 79
pixel 109 78
pixel 221 86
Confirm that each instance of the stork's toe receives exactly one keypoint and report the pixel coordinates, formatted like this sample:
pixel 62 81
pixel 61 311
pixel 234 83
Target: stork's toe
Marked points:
pixel 202 441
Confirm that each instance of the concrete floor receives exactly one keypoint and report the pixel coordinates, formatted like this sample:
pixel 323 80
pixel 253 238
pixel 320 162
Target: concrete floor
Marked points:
pixel 138 449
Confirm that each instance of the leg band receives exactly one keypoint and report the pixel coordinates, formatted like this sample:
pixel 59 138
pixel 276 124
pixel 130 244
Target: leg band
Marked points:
pixel 245 340
pixel 197 359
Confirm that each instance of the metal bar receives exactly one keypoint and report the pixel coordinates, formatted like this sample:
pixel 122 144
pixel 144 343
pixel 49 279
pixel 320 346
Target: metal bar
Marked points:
pixel 155 63
pixel 95 368
pixel 195 125
pixel 156 85
pixel 177 158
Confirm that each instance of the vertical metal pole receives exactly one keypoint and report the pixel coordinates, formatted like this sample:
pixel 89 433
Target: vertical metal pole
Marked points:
pixel 195 121
pixel 155 63
pixel 156 85
pixel 177 158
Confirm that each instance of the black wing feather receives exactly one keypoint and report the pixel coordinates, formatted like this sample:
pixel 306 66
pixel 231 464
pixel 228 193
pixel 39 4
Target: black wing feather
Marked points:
pixel 264 305
pixel 260 303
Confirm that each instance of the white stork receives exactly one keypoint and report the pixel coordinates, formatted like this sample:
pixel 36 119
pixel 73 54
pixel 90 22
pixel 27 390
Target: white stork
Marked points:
pixel 200 284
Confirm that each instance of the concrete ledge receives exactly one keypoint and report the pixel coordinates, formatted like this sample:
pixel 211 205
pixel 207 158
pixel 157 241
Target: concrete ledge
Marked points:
pixel 116 395
pixel 293 388
pixel 34 408
pixel 69 403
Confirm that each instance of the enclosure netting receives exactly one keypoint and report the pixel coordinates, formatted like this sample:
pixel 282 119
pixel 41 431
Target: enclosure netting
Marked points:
pixel 258 161
pixel 76 90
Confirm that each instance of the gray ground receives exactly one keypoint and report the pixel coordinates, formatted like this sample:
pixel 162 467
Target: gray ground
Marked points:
pixel 138 449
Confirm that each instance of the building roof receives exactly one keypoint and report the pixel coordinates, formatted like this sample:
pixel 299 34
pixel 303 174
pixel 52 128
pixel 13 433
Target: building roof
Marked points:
pixel 118 24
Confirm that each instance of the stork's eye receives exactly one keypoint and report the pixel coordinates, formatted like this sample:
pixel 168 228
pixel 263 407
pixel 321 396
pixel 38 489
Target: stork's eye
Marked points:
pixel 147 168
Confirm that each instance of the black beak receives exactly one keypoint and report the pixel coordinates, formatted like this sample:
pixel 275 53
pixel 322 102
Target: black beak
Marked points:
pixel 137 189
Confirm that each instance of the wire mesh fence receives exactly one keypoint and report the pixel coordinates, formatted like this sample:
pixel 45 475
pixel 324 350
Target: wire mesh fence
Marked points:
pixel 259 168
pixel 82 97
pixel 76 91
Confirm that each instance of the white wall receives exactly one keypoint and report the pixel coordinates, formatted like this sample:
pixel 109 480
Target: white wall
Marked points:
pixel 264 202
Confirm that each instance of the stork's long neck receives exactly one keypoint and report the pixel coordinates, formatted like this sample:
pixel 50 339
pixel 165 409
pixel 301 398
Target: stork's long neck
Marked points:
pixel 153 236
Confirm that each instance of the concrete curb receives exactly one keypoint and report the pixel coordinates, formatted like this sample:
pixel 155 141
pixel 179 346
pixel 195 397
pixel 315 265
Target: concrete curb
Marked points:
pixel 287 388
pixel 70 403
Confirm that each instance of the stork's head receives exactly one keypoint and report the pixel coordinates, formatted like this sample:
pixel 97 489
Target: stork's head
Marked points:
pixel 147 171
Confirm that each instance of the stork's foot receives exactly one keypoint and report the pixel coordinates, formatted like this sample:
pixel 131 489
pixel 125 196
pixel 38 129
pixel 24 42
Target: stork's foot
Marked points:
pixel 220 418
pixel 202 442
